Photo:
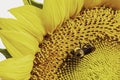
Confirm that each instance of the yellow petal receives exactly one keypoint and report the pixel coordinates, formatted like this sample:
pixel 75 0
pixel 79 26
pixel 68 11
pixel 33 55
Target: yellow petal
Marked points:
pixel 16 68
pixel 11 24
pixel 113 3
pixel 55 11
pixel 109 3
pixel 19 43
pixel 15 25
pixel 93 3
pixel 73 7
pixel 29 16
pixel 80 4
pixel 52 14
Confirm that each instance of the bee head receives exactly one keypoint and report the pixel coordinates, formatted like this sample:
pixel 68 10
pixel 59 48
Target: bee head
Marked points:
pixel 88 49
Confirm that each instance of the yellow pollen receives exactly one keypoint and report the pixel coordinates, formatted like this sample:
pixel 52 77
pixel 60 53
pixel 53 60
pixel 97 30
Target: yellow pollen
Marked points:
pixel 95 26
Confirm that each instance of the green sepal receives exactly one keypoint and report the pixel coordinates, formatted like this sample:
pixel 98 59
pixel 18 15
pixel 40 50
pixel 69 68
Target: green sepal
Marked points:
pixel 32 2
pixel 5 53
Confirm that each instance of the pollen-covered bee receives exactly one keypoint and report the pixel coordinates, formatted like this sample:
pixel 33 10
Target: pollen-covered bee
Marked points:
pixel 79 52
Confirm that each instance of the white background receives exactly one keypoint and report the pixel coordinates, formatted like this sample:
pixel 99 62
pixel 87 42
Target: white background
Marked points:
pixel 5 5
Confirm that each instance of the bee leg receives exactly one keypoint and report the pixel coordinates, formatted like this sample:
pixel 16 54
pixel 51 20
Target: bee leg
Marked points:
pixel 85 45
pixel 80 44
pixel 72 52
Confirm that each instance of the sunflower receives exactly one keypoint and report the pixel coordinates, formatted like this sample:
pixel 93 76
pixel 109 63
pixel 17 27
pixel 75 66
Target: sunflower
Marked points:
pixel 65 40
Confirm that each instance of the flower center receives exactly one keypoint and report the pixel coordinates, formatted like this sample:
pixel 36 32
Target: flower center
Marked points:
pixel 89 27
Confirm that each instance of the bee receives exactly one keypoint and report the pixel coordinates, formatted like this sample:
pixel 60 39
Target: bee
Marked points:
pixel 79 52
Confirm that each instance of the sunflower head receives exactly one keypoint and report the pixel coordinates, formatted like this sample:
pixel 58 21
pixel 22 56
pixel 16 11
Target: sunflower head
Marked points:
pixel 74 42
